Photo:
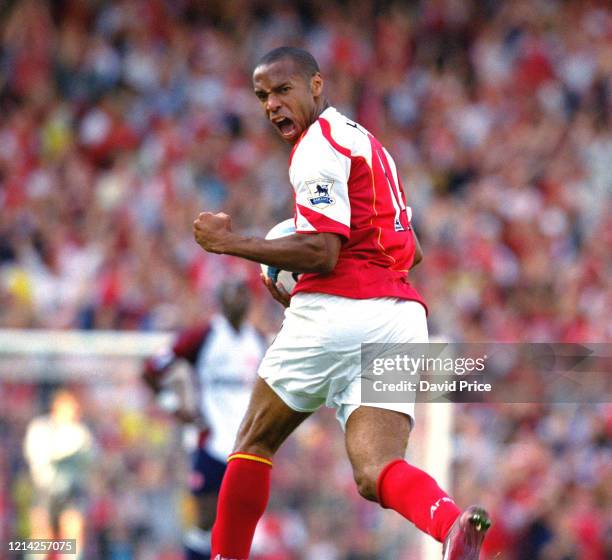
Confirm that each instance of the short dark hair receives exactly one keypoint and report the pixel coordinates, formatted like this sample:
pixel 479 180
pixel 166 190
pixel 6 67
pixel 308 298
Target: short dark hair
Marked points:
pixel 303 60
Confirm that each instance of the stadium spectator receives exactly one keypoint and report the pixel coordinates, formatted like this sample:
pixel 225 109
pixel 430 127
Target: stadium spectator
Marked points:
pixel 59 450
pixel 224 354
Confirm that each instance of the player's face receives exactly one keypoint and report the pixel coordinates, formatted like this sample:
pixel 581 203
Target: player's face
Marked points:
pixel 235 300
pixel 65 407
pixel 291 100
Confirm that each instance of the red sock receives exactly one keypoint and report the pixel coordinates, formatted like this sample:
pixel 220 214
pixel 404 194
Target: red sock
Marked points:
pixel 242 501
pixel 416 495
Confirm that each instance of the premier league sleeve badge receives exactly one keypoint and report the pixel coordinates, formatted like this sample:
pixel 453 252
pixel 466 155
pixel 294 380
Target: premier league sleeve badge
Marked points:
pixel 320 193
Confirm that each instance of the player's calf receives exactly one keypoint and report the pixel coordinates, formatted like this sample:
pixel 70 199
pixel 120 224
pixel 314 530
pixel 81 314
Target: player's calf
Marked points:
pixel 376 440
pixel 242 501
pixel 416 495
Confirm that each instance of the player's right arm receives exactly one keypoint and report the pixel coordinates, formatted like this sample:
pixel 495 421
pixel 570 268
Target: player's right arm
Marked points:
pixel 302 252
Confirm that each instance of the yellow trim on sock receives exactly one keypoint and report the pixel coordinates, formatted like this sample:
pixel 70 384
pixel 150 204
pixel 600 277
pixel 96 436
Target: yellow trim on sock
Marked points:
pixel 250 458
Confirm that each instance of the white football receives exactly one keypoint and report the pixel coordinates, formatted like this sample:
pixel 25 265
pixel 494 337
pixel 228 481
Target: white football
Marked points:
pixel 284 277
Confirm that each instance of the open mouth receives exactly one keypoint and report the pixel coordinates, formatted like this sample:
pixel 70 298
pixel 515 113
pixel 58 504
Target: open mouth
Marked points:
pixel 286 127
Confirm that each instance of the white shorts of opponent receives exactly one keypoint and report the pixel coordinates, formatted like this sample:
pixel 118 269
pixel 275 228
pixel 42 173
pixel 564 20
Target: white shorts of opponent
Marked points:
pixel 316 357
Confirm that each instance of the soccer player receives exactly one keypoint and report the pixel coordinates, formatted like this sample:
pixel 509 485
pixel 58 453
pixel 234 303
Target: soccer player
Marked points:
pixel 225 355
pixel 59 449
pixel 354 247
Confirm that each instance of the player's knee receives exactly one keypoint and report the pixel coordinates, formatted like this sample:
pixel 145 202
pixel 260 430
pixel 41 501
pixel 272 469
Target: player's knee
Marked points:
pixel 261 449
pixel 256 439
pixel 366 478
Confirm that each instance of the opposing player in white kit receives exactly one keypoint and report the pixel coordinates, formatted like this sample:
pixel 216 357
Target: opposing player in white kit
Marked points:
pixel 224 354
pixel 354 247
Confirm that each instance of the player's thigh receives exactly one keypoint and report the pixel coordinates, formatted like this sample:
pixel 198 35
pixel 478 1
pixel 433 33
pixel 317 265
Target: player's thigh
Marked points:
pixel 267 423
pixel 374 437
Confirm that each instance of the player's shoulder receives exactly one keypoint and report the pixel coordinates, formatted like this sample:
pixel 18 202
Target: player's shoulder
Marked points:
pixel 334 132
pixel 341 130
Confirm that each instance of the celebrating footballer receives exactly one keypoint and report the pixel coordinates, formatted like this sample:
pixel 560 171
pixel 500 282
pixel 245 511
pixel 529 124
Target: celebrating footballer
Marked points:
pixel 354 247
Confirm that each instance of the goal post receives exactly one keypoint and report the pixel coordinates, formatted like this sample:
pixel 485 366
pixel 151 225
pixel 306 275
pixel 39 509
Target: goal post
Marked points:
pixel 437 458
pixel 52 355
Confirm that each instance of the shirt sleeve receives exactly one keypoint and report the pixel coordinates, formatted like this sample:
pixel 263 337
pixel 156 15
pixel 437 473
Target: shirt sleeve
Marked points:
pixel 188 343
pixel 319 175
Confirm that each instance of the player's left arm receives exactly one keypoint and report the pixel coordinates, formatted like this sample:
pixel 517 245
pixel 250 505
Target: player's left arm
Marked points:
pixel 311 252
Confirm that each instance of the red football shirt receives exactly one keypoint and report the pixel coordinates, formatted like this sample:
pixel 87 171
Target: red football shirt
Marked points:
pixel 345 182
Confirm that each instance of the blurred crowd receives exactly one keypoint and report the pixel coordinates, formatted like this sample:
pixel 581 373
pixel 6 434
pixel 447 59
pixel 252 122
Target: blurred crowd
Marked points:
pixel 121 120
pixel 545 473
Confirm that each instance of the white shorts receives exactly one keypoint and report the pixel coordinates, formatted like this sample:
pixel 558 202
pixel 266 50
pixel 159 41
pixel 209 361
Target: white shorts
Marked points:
pixel 316 357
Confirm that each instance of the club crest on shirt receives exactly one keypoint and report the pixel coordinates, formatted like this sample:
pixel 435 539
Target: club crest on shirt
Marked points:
pixel 320 192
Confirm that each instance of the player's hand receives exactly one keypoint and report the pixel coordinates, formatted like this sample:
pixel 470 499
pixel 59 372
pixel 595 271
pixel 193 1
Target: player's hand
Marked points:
pixel 153 384
pixel 212 230
pixel 278 292
pixel 150 379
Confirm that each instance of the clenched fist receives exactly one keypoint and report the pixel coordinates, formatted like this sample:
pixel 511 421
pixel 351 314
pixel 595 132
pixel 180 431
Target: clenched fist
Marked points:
pixel 212 230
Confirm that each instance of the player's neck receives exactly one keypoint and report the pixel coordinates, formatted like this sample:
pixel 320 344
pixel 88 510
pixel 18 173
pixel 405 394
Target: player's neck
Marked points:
pixel 323 104
pixel 236 324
